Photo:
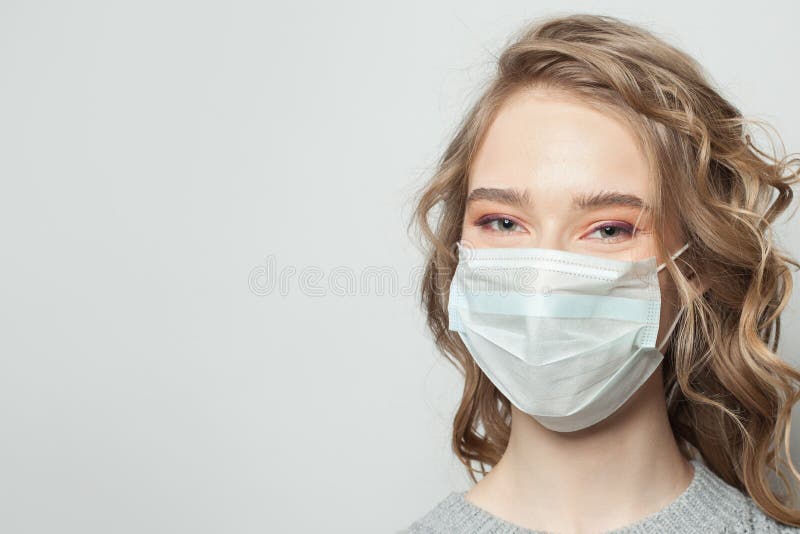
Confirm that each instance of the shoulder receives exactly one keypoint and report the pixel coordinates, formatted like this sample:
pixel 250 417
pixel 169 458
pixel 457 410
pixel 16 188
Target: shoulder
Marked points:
pixel 450 515
pixel 724 507
pixel 752 519
pixel 734 511
pixel 435 520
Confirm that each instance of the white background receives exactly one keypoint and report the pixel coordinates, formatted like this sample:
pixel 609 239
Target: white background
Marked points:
pixel 155 154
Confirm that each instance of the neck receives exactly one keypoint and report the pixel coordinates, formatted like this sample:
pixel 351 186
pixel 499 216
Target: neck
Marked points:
pixel 604 477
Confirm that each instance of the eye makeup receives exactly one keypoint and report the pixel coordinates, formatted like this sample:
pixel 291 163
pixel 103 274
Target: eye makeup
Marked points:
pixel 606 232
pixel 499 223
pixel 618 230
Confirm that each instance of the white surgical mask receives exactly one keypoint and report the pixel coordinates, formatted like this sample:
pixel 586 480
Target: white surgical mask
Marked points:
pixel 566 337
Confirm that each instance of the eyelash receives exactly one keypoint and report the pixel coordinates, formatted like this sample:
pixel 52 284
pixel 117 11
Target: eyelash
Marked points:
pixel 627 229
pixel 486 220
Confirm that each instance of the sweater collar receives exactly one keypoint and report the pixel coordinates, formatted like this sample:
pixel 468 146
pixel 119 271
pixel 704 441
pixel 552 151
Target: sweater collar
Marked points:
pixel 704 506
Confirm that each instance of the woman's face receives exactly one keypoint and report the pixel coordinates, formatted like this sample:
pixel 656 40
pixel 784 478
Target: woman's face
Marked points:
pixel 554 173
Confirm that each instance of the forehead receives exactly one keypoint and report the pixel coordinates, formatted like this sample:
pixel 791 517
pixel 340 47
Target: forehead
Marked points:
pixel 544 140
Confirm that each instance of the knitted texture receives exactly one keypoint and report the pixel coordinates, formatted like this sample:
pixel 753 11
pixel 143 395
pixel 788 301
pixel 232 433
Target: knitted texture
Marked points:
pixel 708 505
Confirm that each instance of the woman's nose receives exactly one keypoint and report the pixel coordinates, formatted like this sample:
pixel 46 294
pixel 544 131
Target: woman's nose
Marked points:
pixel 549 238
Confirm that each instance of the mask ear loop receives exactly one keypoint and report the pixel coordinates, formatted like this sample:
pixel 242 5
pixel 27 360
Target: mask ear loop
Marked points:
pixel 674 389
pixel 673 256
pixel 462 251
pixel 660 347
pixel 670 330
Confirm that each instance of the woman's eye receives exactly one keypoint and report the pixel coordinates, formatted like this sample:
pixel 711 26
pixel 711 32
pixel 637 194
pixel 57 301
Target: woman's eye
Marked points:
pixel 611 232
pixel 500 224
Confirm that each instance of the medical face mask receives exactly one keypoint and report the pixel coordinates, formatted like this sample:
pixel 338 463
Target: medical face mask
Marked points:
pixel 566 337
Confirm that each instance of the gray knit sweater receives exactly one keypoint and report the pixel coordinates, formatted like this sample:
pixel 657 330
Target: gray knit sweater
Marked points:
pixel 707 506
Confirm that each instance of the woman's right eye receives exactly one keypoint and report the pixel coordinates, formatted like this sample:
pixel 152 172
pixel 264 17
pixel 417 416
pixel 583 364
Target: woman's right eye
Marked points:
pixel 500 224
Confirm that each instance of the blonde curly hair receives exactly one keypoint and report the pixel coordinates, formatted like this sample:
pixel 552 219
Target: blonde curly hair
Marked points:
pixel 731 395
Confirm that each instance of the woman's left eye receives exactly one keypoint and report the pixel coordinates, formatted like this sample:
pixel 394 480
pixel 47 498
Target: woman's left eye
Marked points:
pixel 611 232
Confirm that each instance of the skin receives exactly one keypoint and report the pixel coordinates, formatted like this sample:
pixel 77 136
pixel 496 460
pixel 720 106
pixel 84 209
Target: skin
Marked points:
pixel 548 147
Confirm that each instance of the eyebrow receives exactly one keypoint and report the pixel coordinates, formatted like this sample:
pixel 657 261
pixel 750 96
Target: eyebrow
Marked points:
pixel 583 201
pixel 512 197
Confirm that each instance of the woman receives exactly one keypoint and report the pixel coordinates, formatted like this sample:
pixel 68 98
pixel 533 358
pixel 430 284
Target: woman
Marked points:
pixel 602 271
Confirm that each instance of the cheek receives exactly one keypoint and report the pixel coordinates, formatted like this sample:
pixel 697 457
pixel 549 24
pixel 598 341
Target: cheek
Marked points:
pixel 466 228
pixel 469 232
